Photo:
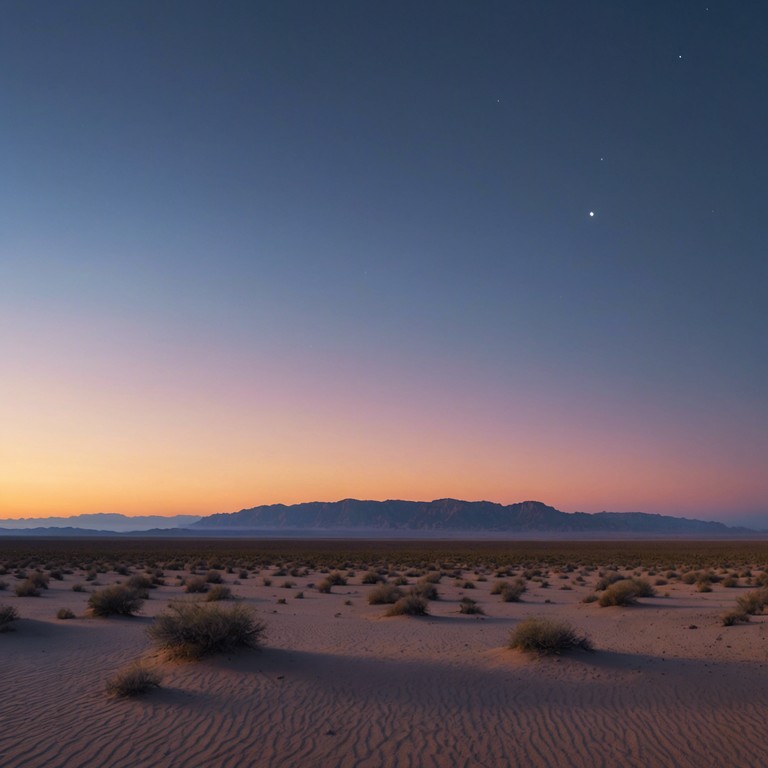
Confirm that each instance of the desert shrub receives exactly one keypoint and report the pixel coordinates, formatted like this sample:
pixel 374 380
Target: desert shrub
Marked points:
pixel 384 594
pixel 266 581
pixel 410 605
pixel 242 574
pixel 193 630
pixel 288 584
pixel 468 605
pixel 141 584
pixel 425 590
pixel 214 577
pixel 65 613
pixel 27 588
pixel 753 602
pixel 325 586
pixel 608 578
pixel 545 636
pixel 299 596
pixel 510 592
pixel 218 592
pixel 7 615
pixel 464 584
pixel 703 586
pixel 400 581
pixel 734 617
pixel 3 585
pixel 730 582
pixel 117 600
pixel 133 680
pixel 589 599
pixel 336 579
pixel 626 592
pixel 432 578
pixel 371 577
pixel 196 585
pixel 78 587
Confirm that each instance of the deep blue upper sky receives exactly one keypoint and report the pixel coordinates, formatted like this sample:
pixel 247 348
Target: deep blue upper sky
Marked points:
pixel 405 188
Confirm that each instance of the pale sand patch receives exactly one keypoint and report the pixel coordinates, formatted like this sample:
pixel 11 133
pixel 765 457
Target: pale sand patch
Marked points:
pixel 340 685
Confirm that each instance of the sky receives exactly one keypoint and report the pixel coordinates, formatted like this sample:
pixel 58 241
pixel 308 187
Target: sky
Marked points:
pixel 260 252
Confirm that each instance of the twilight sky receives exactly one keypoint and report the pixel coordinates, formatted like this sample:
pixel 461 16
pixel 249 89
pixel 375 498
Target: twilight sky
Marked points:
pixel 257 252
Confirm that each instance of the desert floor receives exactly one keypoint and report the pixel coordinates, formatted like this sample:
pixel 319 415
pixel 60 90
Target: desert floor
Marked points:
pixel 339 684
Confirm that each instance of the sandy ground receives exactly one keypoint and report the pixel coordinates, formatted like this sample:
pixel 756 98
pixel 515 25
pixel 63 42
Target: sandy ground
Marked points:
pixel 341 685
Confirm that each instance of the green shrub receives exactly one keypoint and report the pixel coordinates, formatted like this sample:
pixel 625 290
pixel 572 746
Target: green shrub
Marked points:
pixel 193 630
pixel 7 615
pixel 546 637
pixel 117 600
pixel 133 680
pixel 410 605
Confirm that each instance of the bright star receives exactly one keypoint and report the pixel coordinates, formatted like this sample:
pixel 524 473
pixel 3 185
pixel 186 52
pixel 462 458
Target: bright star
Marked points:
pixel 591 214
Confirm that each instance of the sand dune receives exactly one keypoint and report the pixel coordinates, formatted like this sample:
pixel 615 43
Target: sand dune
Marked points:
pixel 340 685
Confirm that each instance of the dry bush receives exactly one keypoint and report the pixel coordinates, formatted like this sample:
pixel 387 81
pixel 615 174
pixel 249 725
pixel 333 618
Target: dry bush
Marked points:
pixel 7 614
pixel 196 585
pixel 753 602
pixel 65 613
pixel 546 637
pixel 626 592
pixel 425 590
pixel 218 592
pixel 193 630
pixel 734 617
pixel 27 588
pixel 384 594
pixel 141 584
pixel 410 605
pixel 117 600
pixel 214 577
pixel 371 577
pixel 133 680
pixel 469 606
pixel 608 578
pixel 511 592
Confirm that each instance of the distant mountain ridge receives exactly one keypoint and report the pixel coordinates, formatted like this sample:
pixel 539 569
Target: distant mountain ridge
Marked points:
pixel 397 518
pixel 452 515
pixel 100 521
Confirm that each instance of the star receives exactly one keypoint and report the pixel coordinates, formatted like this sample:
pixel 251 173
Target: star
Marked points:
pixel 591 214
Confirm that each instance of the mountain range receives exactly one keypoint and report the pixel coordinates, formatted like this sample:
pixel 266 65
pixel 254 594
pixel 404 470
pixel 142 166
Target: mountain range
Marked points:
pixel 401 518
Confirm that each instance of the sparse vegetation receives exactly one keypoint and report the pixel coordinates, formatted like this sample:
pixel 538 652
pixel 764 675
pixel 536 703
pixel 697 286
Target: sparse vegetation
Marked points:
pixel 8 614
pixel 384 594
pixel 133 680
pixel 547 637
pixel 117 600
pixel 193 630
pixel 625 592
pixel 734 617
pixel 65 613
pixel 469 606
pixel 409 605
pixel 27 588
pixel 218 592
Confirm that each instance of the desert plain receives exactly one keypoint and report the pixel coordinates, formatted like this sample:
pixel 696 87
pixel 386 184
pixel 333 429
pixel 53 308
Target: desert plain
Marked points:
pixel 337 682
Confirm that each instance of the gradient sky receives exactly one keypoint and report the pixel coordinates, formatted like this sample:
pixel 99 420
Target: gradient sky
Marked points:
pixel 289 251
